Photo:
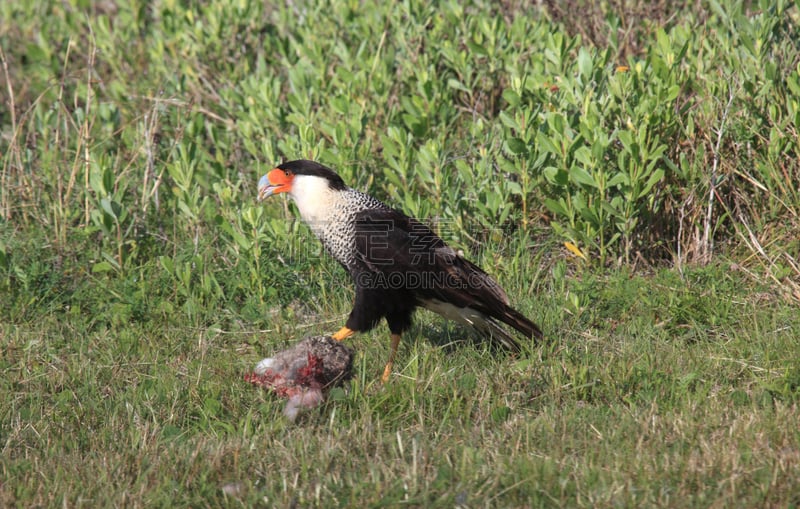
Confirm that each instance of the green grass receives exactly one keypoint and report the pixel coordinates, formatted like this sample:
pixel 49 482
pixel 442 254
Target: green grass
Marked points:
pixel 624 408
pixel 140 281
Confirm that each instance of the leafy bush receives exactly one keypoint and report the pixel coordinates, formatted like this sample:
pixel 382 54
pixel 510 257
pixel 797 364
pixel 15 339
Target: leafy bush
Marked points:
pixel 488 122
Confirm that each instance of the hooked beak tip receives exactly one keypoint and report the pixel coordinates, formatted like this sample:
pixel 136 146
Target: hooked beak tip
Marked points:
pixel 265 189
pixel 265 192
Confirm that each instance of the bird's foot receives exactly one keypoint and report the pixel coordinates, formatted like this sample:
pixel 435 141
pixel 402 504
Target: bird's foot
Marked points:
pixel 343 334
pixel 387 373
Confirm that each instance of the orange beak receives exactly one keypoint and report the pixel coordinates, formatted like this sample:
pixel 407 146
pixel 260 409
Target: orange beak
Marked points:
pixel 274 182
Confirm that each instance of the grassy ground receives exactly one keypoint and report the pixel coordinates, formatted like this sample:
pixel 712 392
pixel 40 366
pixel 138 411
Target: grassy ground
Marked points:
pixel 140 281
pixel 663 391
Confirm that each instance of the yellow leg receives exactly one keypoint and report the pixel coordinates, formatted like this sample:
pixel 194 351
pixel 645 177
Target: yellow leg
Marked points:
pixel 343 334
pixel 387 371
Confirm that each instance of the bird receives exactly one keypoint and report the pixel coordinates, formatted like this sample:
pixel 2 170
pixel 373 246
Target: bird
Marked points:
pixel 398 264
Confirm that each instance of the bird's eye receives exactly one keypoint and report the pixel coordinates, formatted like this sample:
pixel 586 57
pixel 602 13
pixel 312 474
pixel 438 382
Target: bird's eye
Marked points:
pixel 288 173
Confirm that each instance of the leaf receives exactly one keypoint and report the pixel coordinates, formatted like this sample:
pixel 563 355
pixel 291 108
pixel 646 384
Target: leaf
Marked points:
pixel 105 204
pixel 555 176
pixel 546 144
pixel 102 221
pixel 108 179
pixel 619 178
pixel 414 124
pixel 673 92
pixel 242 241
pixel 656 154
pixel 572 248
pixel 626 138
pixel 101 267
pixel 454 83
pixel 793 82
pixel 610 208
pixel 511 97
pixel 584 63
pixel 581 176
pixel 584 156
pixel 517 146
pixel 477 48
pixel 557 207
pixel 653 180
pixel 167 264
pixel 509 121
pixel 589 214
pixel 392 177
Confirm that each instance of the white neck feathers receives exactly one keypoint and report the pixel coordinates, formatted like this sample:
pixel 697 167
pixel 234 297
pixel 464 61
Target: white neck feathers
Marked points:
pixel 314 198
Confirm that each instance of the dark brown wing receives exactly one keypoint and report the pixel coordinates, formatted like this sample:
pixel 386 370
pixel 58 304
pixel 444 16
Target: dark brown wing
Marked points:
pixel 403 251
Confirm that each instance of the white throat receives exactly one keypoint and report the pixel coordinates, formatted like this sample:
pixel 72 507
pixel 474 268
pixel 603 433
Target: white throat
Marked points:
pixel 314 198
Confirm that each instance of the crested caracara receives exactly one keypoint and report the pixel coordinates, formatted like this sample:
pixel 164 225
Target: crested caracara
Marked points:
pixel 396 262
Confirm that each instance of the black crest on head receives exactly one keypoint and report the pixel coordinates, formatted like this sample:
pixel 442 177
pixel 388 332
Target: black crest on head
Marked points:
pixel 306 167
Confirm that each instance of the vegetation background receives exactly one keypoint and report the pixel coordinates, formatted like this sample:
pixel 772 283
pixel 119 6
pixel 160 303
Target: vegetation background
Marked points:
pixel 629 172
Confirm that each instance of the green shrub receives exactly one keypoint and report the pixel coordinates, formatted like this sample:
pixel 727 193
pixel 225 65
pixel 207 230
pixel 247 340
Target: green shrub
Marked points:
pixel 133 124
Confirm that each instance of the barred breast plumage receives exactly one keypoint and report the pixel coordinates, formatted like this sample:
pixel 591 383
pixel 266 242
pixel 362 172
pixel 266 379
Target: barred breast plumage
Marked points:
pixel 336 229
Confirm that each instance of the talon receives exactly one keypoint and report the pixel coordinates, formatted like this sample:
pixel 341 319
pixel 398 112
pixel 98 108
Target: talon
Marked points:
pixel 343 334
